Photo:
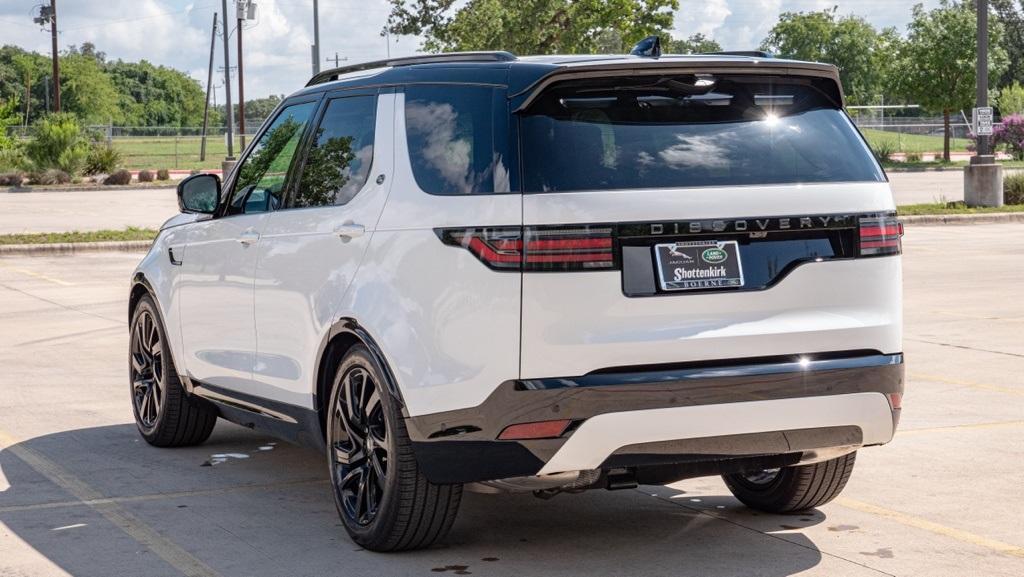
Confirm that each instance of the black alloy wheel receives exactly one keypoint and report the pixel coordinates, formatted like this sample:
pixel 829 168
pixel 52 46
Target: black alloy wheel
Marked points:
pixel 360 446
pixel 147 369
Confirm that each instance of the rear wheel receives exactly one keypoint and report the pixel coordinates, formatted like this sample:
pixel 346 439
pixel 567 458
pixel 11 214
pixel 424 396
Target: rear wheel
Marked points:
pixel 165 415
pixel 384 501
pixel 792 488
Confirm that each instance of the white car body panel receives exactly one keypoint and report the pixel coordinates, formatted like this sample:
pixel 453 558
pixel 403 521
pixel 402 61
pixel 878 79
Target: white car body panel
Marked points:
pixel 600 436
pixel 574 323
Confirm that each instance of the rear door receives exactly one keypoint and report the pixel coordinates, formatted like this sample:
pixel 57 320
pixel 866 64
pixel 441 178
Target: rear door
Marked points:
pixel 671 219
pixel 311 249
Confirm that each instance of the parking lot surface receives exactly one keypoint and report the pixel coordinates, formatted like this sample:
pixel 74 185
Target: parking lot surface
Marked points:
pixel 81 494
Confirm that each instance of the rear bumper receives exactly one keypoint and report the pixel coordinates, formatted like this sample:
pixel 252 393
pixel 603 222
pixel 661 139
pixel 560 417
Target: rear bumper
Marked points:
pixel 667 415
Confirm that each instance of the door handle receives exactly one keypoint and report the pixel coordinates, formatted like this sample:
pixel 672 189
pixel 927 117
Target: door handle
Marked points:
pixel 248 237
pixel 348 231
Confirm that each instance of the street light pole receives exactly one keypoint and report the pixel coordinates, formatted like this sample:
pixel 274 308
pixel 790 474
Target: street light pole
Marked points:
pixel 229 162
pixel 983 177
pixel 316 38
pixel 56 59
pixel 984 146
pixel 241 84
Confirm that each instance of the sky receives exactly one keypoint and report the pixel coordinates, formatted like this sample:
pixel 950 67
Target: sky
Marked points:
pixel 277 45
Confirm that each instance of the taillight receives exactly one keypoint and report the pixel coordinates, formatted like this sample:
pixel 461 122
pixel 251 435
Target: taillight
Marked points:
pixel 880 235
pixel 569 248
pixel 544 249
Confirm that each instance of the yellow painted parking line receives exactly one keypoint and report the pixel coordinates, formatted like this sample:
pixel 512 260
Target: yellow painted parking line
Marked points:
pixel 974 317
pixel 930 526
pixel 998 424
pixel 985 386
pixel 37 275
pixel 161 496
pixel 134 527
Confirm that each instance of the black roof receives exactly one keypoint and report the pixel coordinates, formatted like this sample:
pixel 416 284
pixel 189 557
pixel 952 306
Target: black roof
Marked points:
pixel 524 75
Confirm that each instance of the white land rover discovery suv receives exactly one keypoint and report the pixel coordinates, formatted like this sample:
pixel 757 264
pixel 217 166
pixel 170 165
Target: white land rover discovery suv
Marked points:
pixel 537 274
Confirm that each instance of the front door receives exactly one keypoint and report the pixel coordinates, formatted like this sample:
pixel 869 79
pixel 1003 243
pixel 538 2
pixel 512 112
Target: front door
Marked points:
pixel 219 260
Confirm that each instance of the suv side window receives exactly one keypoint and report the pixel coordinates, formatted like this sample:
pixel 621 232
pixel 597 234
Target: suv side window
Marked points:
pixel 455 144
pixel 339 159
pixel 260 184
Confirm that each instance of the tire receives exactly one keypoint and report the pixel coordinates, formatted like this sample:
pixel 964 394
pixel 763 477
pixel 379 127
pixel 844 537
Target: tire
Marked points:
pixel 384 500
pixel 792 488
pixel 164 413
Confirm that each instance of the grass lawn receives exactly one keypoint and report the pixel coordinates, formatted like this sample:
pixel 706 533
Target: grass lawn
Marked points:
pixel 953 208
pixel 172 152
pixel 130 233
pixel 913 142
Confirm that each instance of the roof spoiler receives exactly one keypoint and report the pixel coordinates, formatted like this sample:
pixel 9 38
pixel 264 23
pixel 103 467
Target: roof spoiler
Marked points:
pixel 750 53
pixel 334 73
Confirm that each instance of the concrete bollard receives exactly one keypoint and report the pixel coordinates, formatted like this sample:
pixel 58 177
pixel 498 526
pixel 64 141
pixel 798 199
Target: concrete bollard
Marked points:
pixel 983 182
pixel 229 164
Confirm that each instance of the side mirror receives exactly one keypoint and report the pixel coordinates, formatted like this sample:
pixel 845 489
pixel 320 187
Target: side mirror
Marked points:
pixel 199 193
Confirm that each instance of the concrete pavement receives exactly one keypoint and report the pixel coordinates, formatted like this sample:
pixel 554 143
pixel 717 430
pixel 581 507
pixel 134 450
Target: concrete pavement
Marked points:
pixel 81 494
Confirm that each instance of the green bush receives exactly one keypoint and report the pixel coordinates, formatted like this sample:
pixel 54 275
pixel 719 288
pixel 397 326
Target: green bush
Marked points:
pixel 1013 188
pixel 57 142
pixel 146 176
pixel 120 177
pixel 1011 100
pixel 12 159
pixel 913 157
pixel 102 159
pixel 883 150
pixel 163 174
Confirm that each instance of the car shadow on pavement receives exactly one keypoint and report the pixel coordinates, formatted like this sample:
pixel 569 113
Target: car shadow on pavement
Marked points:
pixel 102 502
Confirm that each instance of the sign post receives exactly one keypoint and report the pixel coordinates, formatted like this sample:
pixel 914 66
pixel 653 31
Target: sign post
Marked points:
pixel 983 177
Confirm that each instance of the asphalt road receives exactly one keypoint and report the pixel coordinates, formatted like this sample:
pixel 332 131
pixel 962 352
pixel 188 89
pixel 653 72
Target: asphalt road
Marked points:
pixel 81 494
pixel 115 209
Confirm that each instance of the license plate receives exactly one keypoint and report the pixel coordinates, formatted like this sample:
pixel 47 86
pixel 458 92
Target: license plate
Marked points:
pixel 698 265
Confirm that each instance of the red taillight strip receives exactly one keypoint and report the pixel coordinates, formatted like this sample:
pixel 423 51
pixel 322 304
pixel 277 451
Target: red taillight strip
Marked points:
pixel 488 254
pixel 569 243
pixel 563 248
pixel 880 235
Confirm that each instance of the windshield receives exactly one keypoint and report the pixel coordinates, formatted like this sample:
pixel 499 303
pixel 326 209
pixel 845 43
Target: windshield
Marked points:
pixel 690 131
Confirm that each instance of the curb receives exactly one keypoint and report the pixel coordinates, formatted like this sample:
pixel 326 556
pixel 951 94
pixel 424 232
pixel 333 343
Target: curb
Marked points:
pixel 981 218
pixel 98 188
pixel 67 248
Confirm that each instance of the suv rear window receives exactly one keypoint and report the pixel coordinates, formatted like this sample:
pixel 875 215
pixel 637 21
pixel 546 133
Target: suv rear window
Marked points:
pixel 690 131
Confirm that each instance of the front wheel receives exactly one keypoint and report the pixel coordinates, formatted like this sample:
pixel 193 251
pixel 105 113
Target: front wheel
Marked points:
pixel 792 488
pixel 383 499
pixel 165 415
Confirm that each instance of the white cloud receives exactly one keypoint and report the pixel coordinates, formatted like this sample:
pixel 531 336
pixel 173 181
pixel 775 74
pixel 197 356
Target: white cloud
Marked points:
pixel 176 33
pixel 743 24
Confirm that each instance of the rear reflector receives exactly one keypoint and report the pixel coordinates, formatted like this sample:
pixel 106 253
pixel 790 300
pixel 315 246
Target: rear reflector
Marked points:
pixel 896 400
pixel 539 430
pixel 544 249
pixel 880 235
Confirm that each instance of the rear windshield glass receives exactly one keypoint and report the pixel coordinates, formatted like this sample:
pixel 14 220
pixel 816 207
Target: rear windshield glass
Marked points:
pixel 690 131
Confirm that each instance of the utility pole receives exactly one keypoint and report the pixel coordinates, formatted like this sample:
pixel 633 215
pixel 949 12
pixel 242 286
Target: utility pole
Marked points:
pixel 48 15
pixel 240 9
pixel 316 38
pixel 337 60
pixel 209 84
pixel 983 177
pixel 229 162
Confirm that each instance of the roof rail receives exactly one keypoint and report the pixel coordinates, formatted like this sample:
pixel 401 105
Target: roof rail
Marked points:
pixel 751 53
pixel 334 73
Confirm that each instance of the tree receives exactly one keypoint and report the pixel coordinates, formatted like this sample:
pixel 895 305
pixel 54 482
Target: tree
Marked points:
pixel 696 44
pixel 859 51
pixel 1011 100
pixel 936 65
pixel 530 26
pixel 87 90
pixel 8 117
pixel 1013 40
